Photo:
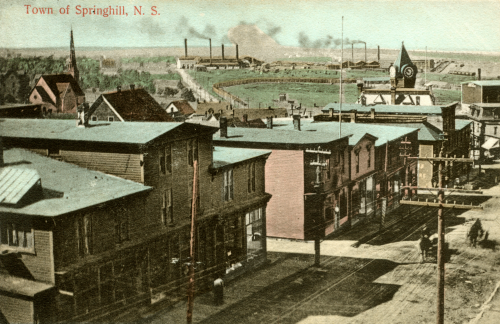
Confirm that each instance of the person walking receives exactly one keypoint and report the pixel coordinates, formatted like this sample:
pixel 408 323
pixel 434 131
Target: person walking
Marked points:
pixel 475 231
pixel 218 291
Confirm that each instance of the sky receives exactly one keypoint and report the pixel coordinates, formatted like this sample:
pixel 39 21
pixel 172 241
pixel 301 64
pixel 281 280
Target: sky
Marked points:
pixel 441 25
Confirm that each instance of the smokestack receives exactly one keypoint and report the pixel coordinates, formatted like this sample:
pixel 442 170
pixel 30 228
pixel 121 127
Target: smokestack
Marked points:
pixel 365 52
pixel 352 53
pixel 269 122
pixel 378 53
pixel 223 127
pixel 296 122
pixel 237 58
pixel 185 47
pixel 222 51
pixel 479 74
pixel 210 43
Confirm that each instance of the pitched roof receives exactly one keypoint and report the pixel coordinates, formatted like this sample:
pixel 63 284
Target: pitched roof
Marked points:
pixel 426 131
pixel 100 132
pixel 53 79
pixel 133 105
pixel 386 109
pixel 461 123
pixel 183 106
pixel 66 187
pixel 402 59
pixel 223 156
pixel 45 96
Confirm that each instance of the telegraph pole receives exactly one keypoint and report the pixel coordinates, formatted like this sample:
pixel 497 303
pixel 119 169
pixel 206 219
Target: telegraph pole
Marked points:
pixel 341 64
pixel 194 203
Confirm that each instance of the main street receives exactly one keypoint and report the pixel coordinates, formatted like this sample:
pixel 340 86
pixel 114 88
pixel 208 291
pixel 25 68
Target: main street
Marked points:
pixel 380 281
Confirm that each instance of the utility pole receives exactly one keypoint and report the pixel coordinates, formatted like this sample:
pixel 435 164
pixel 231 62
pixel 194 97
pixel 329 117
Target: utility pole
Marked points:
pixel 441 224
pixel 341 64
pixel 192 260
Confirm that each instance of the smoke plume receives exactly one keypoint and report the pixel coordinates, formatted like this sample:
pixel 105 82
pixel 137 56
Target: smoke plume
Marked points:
pixel 188 31
pixel 328 41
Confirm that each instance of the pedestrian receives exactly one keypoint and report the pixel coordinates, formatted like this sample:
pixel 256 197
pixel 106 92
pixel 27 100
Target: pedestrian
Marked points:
pixel 475 231
pixel 424 243
pixel 218 291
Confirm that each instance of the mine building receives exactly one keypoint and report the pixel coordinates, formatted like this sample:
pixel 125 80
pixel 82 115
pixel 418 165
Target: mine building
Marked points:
pixel 104 263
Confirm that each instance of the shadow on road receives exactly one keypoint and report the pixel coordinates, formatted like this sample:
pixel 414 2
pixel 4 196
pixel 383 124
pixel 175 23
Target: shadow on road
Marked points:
pixel 341 286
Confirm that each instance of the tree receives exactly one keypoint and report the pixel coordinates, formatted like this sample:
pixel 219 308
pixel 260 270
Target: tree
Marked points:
pixel 187 94
pixel 170 92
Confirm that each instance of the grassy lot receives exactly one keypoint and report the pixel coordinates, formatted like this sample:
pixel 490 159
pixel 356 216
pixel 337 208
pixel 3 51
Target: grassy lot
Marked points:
pixel 458 56
pixel 365 74
pixel 307 93
pixel 446 96
pixel 157 59
pixel 207 79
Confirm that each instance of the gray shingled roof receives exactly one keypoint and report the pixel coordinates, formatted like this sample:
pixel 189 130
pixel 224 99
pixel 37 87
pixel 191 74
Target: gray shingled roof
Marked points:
pixel 67 188
pixel 228 155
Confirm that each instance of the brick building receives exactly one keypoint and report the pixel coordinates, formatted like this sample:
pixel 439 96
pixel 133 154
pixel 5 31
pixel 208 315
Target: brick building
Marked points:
pixel 150 266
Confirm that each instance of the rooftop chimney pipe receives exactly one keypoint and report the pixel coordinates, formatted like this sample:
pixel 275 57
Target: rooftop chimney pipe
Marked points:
pixel 296 122
pixel 185 47
pixel 210 43
pixel 222 51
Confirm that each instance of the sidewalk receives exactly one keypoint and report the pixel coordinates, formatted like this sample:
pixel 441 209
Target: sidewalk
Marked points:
pixel 199 92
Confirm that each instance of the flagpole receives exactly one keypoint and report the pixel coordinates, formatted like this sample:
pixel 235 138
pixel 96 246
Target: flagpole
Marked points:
pixel 341 65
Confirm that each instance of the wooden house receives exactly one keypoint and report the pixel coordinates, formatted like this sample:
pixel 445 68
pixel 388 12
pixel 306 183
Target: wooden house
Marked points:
pixel 128 105
pixel 58 93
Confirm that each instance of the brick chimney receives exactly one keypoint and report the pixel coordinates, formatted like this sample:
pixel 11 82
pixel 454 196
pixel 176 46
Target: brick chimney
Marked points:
pixel 372 113
pixel 269 122
pixel 296 122
pixel 331 112
pixel 223 127
pixel 245 118
pixel 354 115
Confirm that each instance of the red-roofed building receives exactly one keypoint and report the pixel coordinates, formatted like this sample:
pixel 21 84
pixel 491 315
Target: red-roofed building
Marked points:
pixel 59 92
pixel 128 105
pixel 180 108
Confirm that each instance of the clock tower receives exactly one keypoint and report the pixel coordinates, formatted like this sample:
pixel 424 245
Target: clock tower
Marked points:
pixel 404 71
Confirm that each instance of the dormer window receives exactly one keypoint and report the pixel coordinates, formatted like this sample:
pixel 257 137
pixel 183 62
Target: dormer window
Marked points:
pixel 111 118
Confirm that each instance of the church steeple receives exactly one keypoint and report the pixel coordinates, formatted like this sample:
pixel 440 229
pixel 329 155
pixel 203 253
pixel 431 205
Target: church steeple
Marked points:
pixel 405 70
pixel 72 68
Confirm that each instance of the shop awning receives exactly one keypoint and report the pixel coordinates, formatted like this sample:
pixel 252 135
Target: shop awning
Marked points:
pixel 491 143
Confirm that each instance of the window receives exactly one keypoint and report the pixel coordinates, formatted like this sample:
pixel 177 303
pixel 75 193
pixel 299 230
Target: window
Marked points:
pixel 356 158
pixel 167 209
pixel 121 225
pixel 169 158
pixel 110 118
pixel 192 151
pixel 251 177
pixel 228 185
pixel 15 235
pixel 369 149
pixel 84 235
pixel 94 118
pixel 254 232
pixel 162 160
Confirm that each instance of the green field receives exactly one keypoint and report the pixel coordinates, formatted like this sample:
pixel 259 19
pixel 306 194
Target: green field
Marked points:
pixel 446 96
pixel 157 59
pixel 306 93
